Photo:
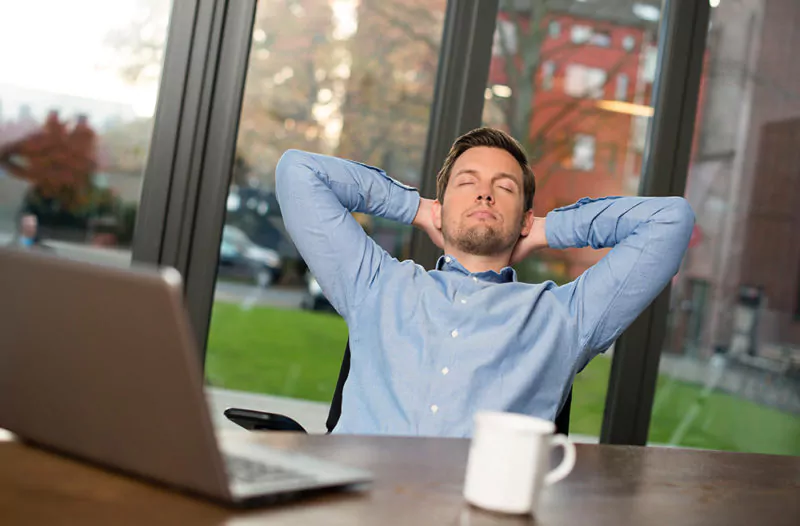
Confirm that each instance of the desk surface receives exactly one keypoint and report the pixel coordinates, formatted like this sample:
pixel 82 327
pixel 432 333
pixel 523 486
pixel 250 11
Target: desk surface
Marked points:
pixel 419 481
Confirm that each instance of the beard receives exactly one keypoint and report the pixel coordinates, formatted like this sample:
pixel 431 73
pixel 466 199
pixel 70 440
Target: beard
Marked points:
pixel 481 240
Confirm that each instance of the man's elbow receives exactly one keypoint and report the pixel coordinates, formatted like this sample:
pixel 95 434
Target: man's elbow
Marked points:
pixel 680 216
pixel 290 168
pixel 288 163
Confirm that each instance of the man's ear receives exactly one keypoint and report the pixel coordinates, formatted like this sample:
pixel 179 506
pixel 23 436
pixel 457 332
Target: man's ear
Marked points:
pixel 527 223
pixel 436 214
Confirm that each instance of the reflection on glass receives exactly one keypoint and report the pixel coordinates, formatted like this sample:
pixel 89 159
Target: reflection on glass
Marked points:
pixel 350 78
pixel 78 87
pixel 557 65
pixel 730 370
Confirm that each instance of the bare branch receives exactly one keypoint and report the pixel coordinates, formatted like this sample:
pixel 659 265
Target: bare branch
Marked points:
pixel 405 27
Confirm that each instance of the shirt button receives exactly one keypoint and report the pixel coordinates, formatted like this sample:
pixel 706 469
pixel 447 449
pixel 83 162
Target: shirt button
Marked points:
pixel 474 279
pixel 454 334
pixel 463 301
pixel 434 409
pixel 447 259
pixel 445 371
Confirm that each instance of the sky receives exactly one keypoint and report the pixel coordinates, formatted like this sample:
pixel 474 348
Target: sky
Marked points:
pixel 59 46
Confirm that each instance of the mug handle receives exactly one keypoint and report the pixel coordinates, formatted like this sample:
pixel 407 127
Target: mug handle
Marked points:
pixel 567 463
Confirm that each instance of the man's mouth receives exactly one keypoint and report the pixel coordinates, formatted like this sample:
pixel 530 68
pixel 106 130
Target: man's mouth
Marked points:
pixel 482 214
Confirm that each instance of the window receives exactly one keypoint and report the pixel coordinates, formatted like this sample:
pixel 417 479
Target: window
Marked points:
pixel 505 39
pixel 77 98
pixel 621 91
pixel 583 152
pixel 639 136
pixel 580 34
pixel 583 81
pixel 316 81
pixel 730 366
pixel 548 70
pixel 600 39
pixel 554 29
pixel 628 42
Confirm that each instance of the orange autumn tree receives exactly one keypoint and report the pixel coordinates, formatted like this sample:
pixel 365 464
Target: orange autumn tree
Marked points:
pixel 58 161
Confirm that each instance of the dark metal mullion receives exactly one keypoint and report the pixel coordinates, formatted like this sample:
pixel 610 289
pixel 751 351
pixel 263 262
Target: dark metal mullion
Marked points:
pixel 204 118
pixel 634 370
pixel 217 159
pixel 157 179
pixel 192 135
pixel 464 58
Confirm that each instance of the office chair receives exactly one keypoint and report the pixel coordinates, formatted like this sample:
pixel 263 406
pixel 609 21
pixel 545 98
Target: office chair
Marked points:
pixel 263 421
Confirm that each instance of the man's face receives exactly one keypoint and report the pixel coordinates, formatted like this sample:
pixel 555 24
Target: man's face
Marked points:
pixel 482 211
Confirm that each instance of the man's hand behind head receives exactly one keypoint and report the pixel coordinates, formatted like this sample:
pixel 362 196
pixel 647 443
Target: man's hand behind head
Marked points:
pixel 424 221
pixel 535 240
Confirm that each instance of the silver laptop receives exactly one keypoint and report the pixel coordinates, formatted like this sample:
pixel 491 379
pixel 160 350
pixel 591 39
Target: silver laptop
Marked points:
pixel 100 363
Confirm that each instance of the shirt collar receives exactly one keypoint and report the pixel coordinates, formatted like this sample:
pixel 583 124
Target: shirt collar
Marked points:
pixel 450 264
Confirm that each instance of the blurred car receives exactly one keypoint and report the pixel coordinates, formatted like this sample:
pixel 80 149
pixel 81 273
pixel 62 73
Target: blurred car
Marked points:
pixel 314 298
pixel 241 259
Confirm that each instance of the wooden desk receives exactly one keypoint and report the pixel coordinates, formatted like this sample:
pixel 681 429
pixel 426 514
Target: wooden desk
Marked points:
pixel 419 481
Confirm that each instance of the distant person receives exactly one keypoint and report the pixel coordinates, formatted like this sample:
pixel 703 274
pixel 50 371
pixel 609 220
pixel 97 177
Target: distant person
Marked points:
pixel 430 348
pixel 28 235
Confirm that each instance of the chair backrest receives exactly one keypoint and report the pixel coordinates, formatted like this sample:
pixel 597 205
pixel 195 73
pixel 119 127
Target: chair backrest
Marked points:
pixel 562 419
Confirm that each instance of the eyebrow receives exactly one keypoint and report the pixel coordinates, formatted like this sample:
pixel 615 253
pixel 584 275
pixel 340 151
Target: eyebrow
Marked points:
pixel 499 175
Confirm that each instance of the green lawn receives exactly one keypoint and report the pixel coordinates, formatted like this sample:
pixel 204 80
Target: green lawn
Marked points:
pixel 298 354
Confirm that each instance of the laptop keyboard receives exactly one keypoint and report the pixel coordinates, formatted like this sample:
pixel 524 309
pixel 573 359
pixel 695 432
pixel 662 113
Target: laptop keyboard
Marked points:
pixel 248 471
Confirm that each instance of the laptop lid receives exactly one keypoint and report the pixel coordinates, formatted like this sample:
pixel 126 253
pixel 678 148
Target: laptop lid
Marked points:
pixel 100 363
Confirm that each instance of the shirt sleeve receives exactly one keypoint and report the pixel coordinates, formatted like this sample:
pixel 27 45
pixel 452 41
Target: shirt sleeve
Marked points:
pixel 649 236
pixel 317 194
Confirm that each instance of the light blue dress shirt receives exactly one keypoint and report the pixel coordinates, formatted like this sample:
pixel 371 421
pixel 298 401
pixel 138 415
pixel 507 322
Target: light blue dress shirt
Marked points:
pixel 430 348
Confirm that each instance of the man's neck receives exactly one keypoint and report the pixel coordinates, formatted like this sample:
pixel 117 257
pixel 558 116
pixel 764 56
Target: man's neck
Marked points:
pixel 476 264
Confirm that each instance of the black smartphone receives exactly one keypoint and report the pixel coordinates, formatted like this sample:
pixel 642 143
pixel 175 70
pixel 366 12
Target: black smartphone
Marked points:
pixel 261 421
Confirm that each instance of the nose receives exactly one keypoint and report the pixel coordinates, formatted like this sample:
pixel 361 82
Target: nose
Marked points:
pixel 486 197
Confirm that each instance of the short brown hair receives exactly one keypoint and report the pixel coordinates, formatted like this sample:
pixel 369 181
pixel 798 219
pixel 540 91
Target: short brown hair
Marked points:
pixel 493 138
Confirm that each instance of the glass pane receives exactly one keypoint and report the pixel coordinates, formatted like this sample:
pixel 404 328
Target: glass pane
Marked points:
pixel 730 369
pixel 77 96
pixel 347 78
pixel 554 85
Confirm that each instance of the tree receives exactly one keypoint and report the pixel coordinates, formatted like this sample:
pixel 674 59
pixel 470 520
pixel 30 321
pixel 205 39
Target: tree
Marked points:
pixel 58 161
pixel 395 54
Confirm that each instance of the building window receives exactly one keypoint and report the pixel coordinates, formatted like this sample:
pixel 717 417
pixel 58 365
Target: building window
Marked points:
pixel 640 127
pixel 600 39
pixel 583 152
pixel 505 39
pixel 621 92
pixel 554 29
pixel 548 71
pixel 580 34
pixel 628 42
pixel 583 81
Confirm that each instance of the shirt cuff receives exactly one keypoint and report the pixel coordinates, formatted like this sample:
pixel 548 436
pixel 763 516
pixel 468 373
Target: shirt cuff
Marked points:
pixel 556 230
pixel 407 200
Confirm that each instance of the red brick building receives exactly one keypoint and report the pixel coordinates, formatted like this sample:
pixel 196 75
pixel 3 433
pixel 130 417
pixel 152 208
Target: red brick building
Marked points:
pixel 591 77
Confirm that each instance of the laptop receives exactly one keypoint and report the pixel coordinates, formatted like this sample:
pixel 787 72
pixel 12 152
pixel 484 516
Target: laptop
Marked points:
pixel 100 363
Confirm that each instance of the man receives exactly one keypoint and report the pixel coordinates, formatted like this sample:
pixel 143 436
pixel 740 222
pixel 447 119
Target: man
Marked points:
pixel 429 348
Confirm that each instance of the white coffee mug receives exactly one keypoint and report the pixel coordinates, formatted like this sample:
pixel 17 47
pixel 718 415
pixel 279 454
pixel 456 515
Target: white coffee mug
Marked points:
pixel 509 460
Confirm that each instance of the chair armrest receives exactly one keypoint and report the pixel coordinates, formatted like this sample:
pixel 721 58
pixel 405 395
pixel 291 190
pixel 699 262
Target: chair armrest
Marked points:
pixel 262 421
